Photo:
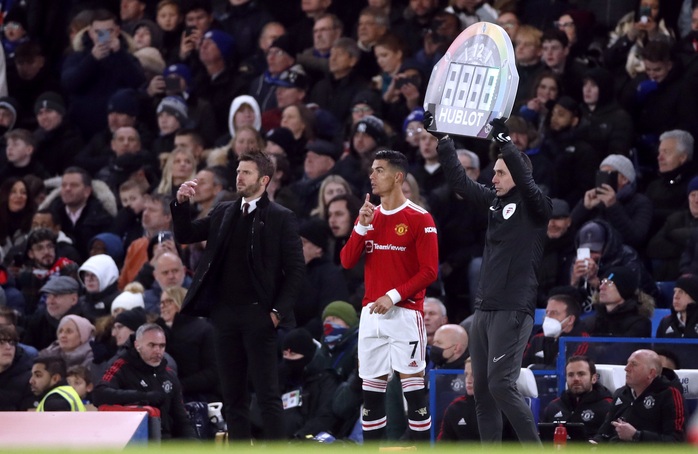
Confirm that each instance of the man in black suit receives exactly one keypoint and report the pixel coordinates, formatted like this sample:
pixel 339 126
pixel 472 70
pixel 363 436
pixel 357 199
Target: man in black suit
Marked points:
pixel 247 281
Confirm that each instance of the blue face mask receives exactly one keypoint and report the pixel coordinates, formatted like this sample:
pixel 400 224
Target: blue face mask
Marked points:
pixel 333 333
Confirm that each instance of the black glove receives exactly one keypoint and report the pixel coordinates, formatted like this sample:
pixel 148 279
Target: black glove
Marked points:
pixel 155 398
pixel 429 121
pixel 500 132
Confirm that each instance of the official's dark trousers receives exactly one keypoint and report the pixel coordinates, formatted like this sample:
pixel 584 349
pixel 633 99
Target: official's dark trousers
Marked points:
pixel 497 342
pixel 246 342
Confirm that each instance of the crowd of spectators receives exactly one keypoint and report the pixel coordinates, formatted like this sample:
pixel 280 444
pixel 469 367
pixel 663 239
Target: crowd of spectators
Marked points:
pixel 107 106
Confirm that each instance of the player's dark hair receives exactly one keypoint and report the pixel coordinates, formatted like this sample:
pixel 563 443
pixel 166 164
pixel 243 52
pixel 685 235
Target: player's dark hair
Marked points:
pixel 576 358
pixel 395 159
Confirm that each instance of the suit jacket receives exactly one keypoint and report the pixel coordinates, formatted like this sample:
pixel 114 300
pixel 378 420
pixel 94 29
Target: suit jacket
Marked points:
pixel 275 256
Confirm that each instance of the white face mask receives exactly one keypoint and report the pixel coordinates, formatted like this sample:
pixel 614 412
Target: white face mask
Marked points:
pixel 552 327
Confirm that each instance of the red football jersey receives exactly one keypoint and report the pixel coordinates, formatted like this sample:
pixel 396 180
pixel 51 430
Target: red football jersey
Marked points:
pixel 402 253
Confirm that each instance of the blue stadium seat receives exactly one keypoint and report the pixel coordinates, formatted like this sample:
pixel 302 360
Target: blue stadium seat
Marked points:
pixel 666 293
pixel 657 317
pixel 538 319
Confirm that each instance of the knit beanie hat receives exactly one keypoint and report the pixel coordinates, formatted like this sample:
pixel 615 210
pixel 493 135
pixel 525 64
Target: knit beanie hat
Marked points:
pixel 416 115
pixel 625 280
pixel 317 231
pixel 127 300
pixel 174 105
pixel 50 100
pixel 132 319
pixel 293 77
pixel 10 104
pixel 692 185
pixel 342 310
pixel 568 104
pixel 689 284
pixel 281 136
pixel 324 148
pixel 372 99
pixel 223 41
pixel 372 126
pixel 620 163
pixel 124 101
pixel 85 328
pixel 300 341
pixel 112 242
pixel 180 70
pixel 284 43
pixel 17 14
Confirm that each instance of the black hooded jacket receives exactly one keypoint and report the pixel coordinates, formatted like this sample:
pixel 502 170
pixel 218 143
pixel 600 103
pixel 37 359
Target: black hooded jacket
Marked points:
pixel 608 127
pixel 15 392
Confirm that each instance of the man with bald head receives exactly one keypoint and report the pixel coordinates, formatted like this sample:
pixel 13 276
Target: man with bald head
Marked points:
pixel 450 347
pixel 169 271
pixel 648 408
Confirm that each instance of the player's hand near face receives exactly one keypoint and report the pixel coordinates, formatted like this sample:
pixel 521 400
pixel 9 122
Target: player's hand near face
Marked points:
pixel 366 212
pixel 382 305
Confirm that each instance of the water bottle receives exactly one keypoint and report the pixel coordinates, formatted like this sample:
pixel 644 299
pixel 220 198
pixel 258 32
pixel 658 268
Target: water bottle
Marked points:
pixel 560 437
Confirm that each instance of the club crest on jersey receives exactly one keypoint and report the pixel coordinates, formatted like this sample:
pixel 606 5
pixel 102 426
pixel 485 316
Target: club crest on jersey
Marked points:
pixel 648 402
pixel 509 210
pixel 401 229
pixel 587 415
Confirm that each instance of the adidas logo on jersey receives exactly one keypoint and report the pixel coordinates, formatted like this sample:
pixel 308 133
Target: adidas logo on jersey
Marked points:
pixel 558 415
pixel 412 364
pixel 462 422
pixel 618 402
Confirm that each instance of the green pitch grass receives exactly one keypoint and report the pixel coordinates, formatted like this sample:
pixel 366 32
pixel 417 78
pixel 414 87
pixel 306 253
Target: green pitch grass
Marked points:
pixel 173 447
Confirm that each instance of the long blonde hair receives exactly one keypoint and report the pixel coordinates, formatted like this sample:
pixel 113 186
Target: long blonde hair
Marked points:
pixel 177 294
pixel 416 196
pixel 165 186
pixel 319 210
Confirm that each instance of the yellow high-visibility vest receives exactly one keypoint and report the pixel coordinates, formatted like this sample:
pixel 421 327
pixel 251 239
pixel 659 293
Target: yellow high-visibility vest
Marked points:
pixel 69 394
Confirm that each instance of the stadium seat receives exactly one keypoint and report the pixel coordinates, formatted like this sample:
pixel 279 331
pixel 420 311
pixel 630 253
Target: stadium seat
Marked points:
pixel 657 317
pixel 528 387
pixel 612 376
pixel 539 317
pixel 527 383
pixel 689 383
pixel 666 293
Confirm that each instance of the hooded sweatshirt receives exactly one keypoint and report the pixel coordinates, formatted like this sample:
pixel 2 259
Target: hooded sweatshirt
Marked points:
pixel 99 303
pixel 235 106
